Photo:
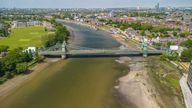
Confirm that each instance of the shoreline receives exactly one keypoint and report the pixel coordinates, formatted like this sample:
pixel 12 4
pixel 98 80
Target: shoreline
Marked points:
pixel 8 87
pixel 134 89
pixel 140 88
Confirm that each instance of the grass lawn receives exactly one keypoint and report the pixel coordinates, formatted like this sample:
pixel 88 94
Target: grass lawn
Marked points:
pixel 24 37
pixel 165 77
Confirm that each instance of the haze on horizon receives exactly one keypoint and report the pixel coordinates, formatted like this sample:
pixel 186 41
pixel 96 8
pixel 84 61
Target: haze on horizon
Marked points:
pixel 92 3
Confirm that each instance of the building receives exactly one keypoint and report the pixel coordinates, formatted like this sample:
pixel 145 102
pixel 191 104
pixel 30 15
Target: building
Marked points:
pixel 189 79
pixel 111 14
pixel 157 7
pixel 25 23
pixel 31 49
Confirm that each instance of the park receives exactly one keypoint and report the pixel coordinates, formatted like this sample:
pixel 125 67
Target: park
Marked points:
pixel 24 37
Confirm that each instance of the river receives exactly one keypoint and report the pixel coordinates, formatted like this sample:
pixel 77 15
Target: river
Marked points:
pixel 73 83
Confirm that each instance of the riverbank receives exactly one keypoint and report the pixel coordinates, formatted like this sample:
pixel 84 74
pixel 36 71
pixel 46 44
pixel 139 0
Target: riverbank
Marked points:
pixel 148 85
pixel 12 84
pixel 135 87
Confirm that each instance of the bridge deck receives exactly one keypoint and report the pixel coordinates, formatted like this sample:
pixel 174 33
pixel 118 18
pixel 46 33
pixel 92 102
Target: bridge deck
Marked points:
pixel 99 53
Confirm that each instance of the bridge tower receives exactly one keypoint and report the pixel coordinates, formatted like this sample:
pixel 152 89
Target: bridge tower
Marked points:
pixel 64 50
pixel 144 47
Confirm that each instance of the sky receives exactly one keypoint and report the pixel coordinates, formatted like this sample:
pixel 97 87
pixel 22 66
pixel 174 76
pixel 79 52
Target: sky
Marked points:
pixel 91 3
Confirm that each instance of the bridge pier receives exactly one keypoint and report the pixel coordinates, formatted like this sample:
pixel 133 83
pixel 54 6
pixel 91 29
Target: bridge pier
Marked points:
pixel 144 48
pixel 64 49
pixel 63 56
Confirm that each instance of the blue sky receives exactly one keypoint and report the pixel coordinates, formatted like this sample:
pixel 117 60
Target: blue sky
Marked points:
pixel 91 3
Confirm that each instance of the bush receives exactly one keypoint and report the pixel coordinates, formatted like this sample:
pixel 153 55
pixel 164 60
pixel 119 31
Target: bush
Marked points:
pixel 187 43
pixel 184 34
pixel 187 54
pixel 21 68
pixel 170 56
pixel 38 58
pixel 14 62
pixel 4 48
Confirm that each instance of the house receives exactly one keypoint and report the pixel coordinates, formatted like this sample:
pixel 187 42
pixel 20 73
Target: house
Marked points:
pixel 174 47
pixel 31 49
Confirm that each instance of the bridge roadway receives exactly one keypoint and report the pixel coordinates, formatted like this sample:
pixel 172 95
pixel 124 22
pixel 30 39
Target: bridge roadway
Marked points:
pixel 100 53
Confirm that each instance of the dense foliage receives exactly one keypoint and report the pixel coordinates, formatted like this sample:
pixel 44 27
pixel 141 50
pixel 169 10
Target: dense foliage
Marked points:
pixel 61 34
pixel 170 56
pixel 187 54
pixel 4 48
pixel 14 63
pixel 4 29
pixel 187 43
pixel 140 26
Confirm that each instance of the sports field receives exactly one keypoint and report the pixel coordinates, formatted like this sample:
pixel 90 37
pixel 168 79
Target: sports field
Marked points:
pixel 24 37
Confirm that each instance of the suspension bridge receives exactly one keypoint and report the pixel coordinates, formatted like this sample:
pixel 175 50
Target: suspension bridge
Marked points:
pixel 66 50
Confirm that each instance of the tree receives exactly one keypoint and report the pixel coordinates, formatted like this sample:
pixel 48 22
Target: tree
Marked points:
pixel 4 48
pixel 142 33
pixel 1 71
pixel 170 55
pixel 38 57
pixel 13 58
pixel 185 34
pixel 175 34
pixel 62 34
pixel 187 43
pixel 21 68
pixel 48 40
pixel 170 43
pixel 187 54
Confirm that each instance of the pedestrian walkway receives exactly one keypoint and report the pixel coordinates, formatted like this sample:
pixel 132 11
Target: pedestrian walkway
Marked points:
pixel 186 91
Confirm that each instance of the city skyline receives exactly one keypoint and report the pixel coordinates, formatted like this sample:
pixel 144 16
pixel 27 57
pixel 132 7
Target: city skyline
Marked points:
pixel 92 3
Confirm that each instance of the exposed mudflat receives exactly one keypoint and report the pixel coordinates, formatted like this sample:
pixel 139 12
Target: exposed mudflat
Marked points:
pixel 138 89
pixel 134 87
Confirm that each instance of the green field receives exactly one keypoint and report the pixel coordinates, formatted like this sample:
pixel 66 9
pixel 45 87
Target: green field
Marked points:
pixel 24 37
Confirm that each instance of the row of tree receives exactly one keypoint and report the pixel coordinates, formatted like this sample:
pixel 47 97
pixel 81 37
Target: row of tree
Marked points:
pixel 61 34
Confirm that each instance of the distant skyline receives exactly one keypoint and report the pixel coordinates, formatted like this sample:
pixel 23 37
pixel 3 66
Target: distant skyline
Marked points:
pixel 92 3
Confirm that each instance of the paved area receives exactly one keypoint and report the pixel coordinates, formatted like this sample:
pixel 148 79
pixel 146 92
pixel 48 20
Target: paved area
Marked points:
pixel 186 92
